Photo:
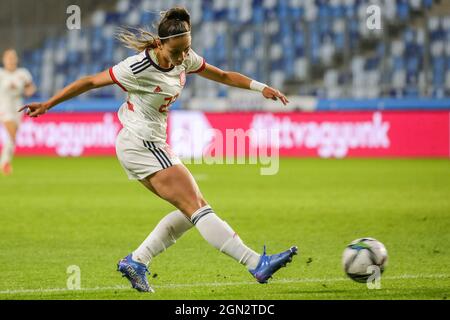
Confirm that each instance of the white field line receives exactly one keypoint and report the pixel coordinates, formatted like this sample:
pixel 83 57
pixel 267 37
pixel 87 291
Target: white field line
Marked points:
pixel 218 284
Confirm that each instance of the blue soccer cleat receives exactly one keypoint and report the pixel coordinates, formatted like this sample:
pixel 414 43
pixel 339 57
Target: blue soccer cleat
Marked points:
pixel 136 273
pixel 268 265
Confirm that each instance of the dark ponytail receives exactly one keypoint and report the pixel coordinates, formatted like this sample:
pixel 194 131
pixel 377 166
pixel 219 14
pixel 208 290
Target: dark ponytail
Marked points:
pixel 174 21
pixel 178 13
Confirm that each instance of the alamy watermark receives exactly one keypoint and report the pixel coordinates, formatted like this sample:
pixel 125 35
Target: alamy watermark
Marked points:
pixel 234 146
pixel 74 279
pixel 374 281
pixel 73 21
pixel 373 21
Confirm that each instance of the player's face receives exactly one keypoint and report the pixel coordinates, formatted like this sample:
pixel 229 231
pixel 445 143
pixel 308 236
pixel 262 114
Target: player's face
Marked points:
pixel 10 60
pixel 177 49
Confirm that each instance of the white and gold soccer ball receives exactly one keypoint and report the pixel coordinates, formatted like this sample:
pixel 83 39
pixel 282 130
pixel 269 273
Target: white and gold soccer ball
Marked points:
pixel 363 258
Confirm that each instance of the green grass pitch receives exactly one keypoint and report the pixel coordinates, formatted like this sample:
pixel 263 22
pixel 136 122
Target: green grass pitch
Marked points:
pixel 60 212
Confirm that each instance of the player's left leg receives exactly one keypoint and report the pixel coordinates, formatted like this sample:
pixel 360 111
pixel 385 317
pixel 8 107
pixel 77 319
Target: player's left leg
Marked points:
pixel 8 147
pixel 165 234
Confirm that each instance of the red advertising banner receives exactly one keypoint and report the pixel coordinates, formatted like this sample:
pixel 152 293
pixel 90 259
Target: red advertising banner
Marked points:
pixel 67 134
pixel 324 134
pixel 191 133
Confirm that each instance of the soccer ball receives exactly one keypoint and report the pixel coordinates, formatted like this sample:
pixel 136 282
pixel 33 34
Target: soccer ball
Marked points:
pixel 363 257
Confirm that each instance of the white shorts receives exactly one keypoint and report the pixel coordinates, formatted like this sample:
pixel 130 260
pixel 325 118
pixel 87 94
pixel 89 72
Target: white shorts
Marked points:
pixel 9 114
pixel 142 158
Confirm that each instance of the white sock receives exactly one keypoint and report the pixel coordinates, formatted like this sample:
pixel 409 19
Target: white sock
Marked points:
pixel 165 234
pixel 7 150
pixel 221 236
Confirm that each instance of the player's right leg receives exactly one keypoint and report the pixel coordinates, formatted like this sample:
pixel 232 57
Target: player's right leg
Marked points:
pixel 8 147
pixel 177 186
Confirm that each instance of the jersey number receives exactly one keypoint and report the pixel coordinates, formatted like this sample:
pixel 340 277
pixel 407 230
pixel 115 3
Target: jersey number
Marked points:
pixel 170 101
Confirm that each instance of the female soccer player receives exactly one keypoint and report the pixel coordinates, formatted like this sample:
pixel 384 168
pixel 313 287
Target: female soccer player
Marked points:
pixel 14 84
pixel 153 79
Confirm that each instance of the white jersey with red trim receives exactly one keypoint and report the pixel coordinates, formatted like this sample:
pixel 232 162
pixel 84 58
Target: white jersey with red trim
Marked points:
pixel 151 90
pixel 12 85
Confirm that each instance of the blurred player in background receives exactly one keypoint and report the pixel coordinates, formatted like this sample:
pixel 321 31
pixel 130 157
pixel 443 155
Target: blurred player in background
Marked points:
pixel 153 79
pixel 15 83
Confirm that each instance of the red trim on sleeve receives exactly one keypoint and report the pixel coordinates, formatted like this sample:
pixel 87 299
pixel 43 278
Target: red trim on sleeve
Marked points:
pixel 113 77
pixel 201 68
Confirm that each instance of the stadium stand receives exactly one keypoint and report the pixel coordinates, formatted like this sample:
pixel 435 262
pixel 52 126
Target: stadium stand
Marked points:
pixel 307 47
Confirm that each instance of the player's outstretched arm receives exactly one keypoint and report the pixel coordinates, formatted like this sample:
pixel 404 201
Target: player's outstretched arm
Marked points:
pixel 235 79
pixel 74 89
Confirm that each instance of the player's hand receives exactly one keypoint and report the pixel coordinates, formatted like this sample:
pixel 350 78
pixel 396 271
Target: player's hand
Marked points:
pixel 35 109
pixel 274 94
